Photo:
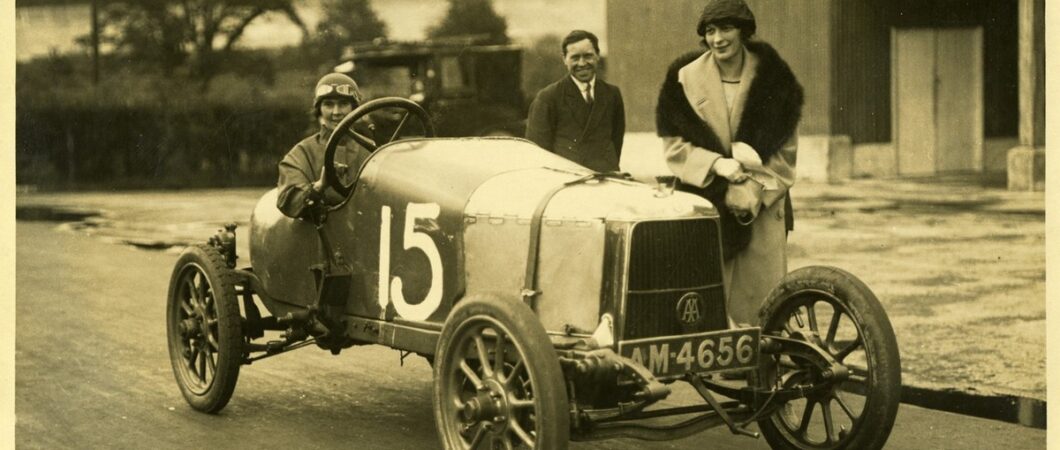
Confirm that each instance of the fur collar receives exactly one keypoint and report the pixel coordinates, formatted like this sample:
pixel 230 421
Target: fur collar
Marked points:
pixel 770 114
pixel 705 92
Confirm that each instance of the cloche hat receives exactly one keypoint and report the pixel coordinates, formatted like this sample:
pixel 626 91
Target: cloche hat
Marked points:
pixel 732 10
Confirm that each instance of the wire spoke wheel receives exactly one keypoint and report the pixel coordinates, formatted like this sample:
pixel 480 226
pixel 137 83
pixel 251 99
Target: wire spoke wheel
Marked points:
pixel 838 313
pixel 827 417
pixel 498 383
pixel 198 328
pixel 204 328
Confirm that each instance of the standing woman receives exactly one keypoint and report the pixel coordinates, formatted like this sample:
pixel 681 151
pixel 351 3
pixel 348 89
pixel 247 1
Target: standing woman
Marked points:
pixel 728 118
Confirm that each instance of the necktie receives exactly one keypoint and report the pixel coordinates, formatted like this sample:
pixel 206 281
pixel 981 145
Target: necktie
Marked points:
pixel 589 95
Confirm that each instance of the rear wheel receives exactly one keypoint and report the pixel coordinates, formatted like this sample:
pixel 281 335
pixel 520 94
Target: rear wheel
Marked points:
pixel 204 328
pixel 497 382
pixel 834 310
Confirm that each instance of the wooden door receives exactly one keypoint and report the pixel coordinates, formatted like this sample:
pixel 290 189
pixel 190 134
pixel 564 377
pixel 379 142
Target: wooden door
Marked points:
pixel 937 98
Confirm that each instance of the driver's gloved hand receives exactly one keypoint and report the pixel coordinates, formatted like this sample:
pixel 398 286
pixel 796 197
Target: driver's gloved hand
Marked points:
pixel 314 204
pixel 317 187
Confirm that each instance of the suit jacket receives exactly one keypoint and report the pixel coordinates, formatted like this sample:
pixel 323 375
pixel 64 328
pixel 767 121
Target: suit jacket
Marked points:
pixel 561 122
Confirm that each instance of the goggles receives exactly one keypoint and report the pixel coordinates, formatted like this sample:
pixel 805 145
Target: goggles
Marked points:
pixel 341 89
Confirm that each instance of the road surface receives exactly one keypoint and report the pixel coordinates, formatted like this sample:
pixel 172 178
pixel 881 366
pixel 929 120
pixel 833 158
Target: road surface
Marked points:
pixel 93 372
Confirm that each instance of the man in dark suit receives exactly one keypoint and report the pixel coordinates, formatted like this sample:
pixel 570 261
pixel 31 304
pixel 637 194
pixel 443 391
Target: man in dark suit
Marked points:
pixel 580 117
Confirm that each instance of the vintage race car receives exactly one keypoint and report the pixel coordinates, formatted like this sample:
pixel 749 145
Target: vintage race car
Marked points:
pixel 554 304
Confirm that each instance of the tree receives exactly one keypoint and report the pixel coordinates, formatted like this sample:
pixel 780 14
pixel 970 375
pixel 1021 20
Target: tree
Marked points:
pixel 145 31
pixel 542 64
pixel 191 33
pixel 472 17
pixel 347 21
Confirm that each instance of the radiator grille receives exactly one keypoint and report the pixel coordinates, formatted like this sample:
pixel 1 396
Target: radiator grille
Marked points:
pixel 649 315
pixel 674 254
pixel 668 260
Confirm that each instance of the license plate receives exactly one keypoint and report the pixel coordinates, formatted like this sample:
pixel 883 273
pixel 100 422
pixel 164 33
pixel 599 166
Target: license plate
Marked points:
pixel 674 356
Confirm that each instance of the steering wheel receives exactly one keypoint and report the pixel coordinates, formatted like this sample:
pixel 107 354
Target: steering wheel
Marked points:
pixel 331 177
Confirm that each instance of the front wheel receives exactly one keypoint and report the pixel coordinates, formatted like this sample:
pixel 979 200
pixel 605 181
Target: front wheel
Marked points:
pixel 497 380
pixel 204 328
pixel 837 312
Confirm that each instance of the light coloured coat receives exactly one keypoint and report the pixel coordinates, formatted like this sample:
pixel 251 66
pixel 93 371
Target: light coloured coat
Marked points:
pixel 754 271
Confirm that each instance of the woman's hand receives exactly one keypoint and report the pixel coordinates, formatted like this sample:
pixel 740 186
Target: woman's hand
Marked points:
pixel 730 169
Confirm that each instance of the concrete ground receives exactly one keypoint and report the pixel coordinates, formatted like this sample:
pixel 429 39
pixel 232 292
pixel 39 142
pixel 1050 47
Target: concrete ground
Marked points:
pixel 93 372
pixel 959 268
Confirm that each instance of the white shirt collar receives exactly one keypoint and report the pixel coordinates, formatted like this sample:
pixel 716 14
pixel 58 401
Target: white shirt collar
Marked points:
pixel 581 85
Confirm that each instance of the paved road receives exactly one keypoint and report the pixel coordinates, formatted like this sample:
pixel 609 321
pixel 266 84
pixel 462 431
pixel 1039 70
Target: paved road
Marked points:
pixel 93 372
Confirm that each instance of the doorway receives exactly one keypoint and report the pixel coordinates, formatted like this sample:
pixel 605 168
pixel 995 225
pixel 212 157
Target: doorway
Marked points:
pixel 937 98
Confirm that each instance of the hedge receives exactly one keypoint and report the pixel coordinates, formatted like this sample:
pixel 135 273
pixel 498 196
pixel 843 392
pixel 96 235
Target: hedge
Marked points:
pixel 141 126
pixel 189 145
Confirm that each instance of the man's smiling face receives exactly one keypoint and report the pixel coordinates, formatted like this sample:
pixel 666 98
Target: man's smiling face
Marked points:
pixel 581 60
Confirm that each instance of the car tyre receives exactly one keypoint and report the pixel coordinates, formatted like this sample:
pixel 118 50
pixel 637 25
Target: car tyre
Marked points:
pixel 841 315
pixel 204 328
pixel 516 400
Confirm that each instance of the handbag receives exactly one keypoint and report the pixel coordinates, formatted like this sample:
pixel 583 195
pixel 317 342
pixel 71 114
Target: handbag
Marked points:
pixel 744 199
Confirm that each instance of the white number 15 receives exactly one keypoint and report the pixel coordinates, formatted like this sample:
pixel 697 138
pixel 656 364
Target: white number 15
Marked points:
pixel 390 290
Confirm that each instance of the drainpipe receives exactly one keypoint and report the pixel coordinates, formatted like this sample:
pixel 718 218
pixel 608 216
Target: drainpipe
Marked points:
pixel 1026 163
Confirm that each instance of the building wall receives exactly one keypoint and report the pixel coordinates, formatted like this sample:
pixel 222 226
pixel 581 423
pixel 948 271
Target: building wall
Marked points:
pixel 862 70
pixel 839 50
pixel 799 30
pixel 863 61
pixel 643 38
pixel 862 57
pixel 999 19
